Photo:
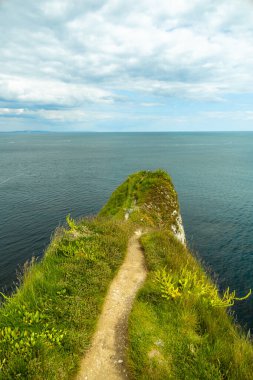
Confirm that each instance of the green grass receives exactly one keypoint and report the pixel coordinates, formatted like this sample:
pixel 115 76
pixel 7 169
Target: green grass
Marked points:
pixel 46 327
pixel 149 196
pixel 176 330
pixel 183 337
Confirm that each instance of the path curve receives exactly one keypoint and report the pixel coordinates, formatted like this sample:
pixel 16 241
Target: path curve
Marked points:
pixel 105 358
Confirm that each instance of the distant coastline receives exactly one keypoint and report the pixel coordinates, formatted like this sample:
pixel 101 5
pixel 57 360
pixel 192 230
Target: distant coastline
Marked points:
pixel 31 132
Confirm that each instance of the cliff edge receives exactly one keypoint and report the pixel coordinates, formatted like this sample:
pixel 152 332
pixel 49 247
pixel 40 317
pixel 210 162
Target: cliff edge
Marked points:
pixel 176 325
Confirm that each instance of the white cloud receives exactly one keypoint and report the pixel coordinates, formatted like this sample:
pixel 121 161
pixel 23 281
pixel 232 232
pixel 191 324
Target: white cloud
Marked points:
pixel 73 53
pixel 230 115
pixel 11 111
pixel 59 115
pixel 71 115
pixel 52 92
pixel 150 104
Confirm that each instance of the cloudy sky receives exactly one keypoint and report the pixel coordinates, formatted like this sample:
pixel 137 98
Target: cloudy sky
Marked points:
pixel 117 65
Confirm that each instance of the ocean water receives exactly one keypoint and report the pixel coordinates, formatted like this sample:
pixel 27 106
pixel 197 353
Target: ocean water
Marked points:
pixel 43 177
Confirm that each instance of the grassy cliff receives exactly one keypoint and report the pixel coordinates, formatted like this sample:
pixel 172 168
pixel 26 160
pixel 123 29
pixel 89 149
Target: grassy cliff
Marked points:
pixel 46 327
pixel 178 327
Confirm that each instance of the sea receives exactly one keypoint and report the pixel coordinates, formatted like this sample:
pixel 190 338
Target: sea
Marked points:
pixel 46 176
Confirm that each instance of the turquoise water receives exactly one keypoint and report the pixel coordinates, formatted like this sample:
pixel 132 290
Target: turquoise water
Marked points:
pixel 43 177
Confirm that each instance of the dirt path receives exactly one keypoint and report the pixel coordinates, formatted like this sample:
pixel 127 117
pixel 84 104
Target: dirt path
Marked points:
pixel 105 359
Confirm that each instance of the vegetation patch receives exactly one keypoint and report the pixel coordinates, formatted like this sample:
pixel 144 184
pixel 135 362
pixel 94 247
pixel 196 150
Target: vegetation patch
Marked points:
pixel 46 327
pixel 148 197
pixel 188 283
pixel 177 328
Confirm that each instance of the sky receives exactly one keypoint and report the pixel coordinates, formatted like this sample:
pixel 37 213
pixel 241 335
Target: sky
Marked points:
pixel 117 65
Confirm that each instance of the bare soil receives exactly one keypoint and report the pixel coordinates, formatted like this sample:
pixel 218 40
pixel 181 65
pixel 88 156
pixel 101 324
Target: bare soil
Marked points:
pixel 106 356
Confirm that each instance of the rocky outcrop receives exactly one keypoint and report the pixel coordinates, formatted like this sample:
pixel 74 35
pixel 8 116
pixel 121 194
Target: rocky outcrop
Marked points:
pixel 178 228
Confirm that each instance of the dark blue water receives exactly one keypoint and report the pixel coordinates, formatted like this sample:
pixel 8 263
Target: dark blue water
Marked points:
pixel 45 177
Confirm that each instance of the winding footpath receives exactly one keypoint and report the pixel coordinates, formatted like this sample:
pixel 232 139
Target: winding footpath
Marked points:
pixel 105 358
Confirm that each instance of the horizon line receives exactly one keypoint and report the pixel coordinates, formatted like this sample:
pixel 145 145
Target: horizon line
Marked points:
pixel 88 132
